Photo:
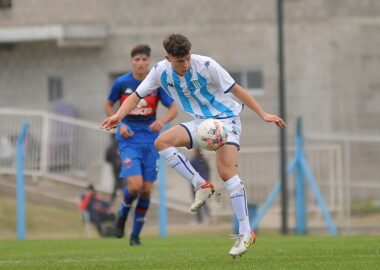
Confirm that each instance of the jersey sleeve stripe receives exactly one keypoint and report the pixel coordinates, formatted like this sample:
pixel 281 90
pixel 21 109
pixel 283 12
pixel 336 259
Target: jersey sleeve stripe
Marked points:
pixel 137 94
pixel 229 88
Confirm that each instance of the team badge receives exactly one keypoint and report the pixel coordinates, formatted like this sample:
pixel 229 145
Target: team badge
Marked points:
pixel 128 163
pixel 196 84
pixel 142 103
pixel 128 91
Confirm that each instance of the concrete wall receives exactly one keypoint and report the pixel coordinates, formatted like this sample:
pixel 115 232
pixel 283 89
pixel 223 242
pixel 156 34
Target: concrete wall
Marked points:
pixel 332 55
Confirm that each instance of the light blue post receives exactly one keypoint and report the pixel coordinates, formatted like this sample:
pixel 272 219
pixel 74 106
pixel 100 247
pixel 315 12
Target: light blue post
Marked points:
pixel 318 195
pixel 162 210
pixel 20 188
pixel 263 209
pixel 302 169
pixel 268 202
pixel 299 185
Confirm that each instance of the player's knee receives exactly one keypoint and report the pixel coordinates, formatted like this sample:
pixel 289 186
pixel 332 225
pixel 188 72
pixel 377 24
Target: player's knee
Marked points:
pixel 145 193
pixel 162 143
pixel 135 188
pixel 226 172
pixel 157 144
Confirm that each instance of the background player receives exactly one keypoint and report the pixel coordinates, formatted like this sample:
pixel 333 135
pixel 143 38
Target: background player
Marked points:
pixel 136 135
pixel 202 88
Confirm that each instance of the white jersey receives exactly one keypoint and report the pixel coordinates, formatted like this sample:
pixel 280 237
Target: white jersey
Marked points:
pixel 203 91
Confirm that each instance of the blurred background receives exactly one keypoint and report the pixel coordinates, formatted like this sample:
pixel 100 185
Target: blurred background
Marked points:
pixel 58 59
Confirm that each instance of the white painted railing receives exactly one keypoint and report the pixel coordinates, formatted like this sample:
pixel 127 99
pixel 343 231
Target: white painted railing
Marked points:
pixel 259 169
pixel 72 151
pixel 58 147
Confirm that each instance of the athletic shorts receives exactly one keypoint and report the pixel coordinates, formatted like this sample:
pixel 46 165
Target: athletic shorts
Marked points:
pixel 139 159
pixel 232 124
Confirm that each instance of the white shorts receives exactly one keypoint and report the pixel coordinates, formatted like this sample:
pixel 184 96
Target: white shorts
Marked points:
pixel 232 124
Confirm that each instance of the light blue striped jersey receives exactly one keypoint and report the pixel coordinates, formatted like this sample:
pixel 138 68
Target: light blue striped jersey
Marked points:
pixel 203 91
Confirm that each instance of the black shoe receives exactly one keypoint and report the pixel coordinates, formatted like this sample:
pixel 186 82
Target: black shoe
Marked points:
pixel 119 226
pixel 134 241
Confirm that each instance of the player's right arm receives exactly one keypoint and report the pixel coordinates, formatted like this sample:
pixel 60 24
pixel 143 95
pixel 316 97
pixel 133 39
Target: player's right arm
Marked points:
pixel 128 105
pixel 244 96
pixel 108 108
pixel 113 96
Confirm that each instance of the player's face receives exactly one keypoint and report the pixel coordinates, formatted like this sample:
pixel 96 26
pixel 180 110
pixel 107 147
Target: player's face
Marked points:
pixel 180 64
pixel 140 64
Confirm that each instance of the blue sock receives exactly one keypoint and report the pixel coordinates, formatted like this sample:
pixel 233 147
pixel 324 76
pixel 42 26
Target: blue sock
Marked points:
pixel 126 204
pixel 139 220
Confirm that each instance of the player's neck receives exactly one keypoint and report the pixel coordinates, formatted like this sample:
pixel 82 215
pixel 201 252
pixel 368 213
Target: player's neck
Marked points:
pixel 139 76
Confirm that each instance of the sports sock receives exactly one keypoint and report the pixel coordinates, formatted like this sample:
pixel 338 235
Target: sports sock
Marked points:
pixel 139 219
pixel 126 204
pixel 182 166
pixel 239 202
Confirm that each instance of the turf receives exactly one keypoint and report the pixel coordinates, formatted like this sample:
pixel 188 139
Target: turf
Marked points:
pixel 193 252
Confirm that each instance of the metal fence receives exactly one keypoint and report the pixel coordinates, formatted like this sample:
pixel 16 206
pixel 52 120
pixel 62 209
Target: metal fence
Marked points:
pixel 72 151
pixel 361 173
pixel 259 169
pixel 57 147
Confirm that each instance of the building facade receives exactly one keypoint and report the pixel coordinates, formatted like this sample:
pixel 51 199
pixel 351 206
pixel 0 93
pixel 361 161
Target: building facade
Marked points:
pixel 72 50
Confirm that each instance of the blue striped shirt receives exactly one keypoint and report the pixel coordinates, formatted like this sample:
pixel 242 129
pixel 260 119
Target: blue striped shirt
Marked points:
pixel 203 91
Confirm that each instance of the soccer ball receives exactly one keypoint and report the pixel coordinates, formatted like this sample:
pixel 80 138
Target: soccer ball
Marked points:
pixel 211 134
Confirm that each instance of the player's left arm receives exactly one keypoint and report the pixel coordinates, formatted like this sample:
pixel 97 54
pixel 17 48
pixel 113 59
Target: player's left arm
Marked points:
pixel 220 76
pixel 170 114
pixel 145 88
pixel 246 98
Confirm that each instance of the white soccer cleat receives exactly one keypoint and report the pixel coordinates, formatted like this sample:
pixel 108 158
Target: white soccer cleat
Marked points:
pixel 243 242
pixel 201 195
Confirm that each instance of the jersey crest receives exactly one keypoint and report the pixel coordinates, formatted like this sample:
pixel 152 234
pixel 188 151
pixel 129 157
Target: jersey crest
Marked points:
pixel 197 84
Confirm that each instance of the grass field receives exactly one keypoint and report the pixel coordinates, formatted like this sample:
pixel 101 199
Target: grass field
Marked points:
pixel 193 252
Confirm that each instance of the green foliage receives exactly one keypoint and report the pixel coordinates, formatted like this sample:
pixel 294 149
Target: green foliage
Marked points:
pixel 193 252
pixel 363 208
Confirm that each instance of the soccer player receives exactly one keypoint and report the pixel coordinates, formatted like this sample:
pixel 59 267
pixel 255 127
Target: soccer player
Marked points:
pixel 136 134
pixel 202 88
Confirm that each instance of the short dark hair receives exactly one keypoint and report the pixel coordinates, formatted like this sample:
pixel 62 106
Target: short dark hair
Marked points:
pixel 177 45
pixel 141 49
pixel 90 187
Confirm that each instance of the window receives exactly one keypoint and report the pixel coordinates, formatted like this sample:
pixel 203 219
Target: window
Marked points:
pixel 250 80
pixel 7 47
pixel 55 88
pixel 237 77
pixel 4 4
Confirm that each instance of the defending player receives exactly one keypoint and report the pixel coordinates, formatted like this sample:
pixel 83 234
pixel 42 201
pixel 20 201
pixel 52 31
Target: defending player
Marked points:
pixel 136 135
pixel 202 88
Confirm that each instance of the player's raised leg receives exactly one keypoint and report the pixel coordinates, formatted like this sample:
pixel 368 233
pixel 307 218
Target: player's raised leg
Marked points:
pixel 166 143
pixel 226 158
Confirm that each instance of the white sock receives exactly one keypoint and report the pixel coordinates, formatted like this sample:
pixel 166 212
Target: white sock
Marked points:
pixel 238 198
pixel 182 166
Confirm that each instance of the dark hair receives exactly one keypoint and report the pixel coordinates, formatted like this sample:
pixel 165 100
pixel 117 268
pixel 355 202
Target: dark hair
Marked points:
pixel 177 45
pixel 141 49
pixel 90 187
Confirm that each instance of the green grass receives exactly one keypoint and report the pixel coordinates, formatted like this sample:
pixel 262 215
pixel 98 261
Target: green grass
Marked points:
pixel 193 252
pixel 42 221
